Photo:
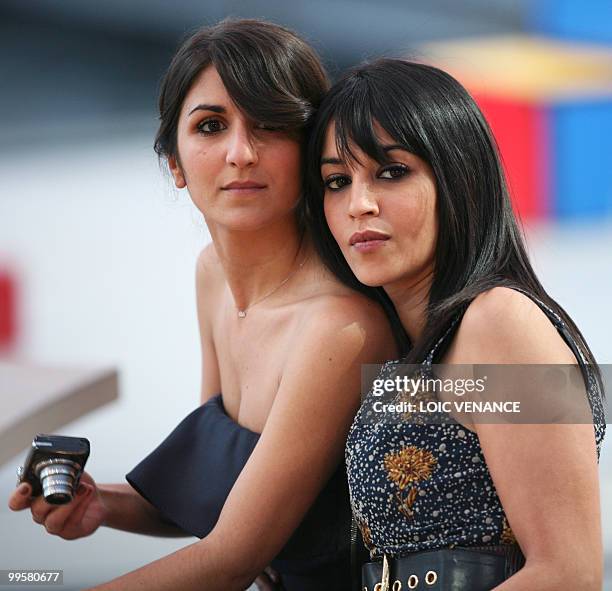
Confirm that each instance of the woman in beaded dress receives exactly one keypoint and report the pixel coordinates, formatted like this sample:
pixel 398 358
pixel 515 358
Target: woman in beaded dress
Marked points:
pixel 408 193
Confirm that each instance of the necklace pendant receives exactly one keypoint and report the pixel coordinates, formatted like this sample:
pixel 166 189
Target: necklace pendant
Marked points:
pixel 241 313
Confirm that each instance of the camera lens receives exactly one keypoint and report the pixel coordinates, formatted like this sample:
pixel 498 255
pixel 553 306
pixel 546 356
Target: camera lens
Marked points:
pixel 57 477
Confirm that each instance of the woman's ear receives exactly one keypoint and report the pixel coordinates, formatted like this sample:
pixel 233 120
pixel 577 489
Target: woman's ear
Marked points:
pixel 177 172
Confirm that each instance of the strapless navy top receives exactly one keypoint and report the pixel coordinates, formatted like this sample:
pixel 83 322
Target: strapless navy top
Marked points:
pixel 190 474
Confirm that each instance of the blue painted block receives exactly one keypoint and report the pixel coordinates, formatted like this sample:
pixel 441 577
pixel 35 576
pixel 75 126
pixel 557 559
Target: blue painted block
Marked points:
pixel 581 146
pixel 589 21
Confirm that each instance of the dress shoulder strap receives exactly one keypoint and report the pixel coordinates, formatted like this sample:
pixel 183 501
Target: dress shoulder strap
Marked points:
pixel 444 340
pixel 592 383
pixel 559 325
pixel 557 321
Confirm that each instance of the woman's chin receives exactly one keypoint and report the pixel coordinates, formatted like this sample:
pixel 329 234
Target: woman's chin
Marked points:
pixel 253 220
pixel 371 278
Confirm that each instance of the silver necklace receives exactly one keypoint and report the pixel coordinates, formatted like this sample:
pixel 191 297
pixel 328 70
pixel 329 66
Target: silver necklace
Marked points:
pixel 243 312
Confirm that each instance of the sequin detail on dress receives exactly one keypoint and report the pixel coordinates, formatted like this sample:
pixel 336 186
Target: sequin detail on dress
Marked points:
pixel 426 486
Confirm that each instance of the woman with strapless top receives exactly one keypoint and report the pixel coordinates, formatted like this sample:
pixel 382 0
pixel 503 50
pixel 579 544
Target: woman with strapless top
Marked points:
pixel 316 556
pixel 257 471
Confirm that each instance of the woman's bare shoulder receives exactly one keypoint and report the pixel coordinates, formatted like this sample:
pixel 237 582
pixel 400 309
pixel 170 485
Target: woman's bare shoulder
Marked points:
pixel 346 302
pixel 209 277
pixel 208 261
pixel 327 298
pixel 503 325
pixel 353 313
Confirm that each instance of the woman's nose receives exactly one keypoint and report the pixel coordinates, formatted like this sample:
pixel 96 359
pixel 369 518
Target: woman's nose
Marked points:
pixel 241 150
pixel 362 201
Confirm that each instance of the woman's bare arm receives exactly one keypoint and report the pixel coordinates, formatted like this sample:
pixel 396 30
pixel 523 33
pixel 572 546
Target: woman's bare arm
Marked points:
pixel 114 505
pixel 546 476
pixel 300 447
pixel 129 511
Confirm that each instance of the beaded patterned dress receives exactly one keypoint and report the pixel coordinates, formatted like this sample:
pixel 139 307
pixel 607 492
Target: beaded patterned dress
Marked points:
pixel 417 487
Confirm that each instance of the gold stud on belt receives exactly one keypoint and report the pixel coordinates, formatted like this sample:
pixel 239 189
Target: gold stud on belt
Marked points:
pixel 413 581
pixel 431 577
pixel 397 585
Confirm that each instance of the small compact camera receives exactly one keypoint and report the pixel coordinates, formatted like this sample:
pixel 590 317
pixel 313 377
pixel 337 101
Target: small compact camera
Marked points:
pixel 53 467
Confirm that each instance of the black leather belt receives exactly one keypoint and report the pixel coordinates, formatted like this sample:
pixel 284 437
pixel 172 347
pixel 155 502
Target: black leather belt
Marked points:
pixel 479 568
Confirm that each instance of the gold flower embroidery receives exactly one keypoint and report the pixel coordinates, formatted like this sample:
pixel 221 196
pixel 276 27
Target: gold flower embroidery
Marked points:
pixel 409 464
pixel 507 535
pixel 405 468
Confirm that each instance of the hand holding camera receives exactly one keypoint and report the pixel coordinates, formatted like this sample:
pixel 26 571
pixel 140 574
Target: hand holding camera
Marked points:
pixel 60 495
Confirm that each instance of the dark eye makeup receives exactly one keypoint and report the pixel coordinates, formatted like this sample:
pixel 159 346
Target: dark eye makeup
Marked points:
pixel 211 126
pixel 392 172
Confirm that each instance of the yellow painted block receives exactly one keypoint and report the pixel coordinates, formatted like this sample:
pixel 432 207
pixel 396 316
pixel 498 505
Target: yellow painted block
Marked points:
pixel 525 67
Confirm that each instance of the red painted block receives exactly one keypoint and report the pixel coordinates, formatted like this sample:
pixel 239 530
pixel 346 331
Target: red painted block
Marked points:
pixel 8 321
pixel 521 130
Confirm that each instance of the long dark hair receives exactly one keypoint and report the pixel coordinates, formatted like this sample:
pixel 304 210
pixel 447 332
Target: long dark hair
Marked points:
pixel 479 244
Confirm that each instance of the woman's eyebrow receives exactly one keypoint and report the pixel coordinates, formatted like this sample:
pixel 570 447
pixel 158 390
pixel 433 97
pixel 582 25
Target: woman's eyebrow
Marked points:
pixel 388 148
pixel 331 161
pixel 391 147
pixel 213 108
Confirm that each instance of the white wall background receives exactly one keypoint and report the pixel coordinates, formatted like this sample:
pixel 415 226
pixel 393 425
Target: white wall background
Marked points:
pixel 105 250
